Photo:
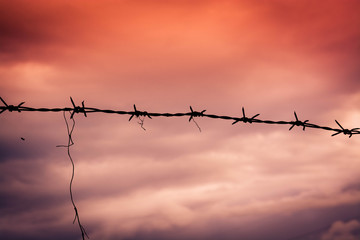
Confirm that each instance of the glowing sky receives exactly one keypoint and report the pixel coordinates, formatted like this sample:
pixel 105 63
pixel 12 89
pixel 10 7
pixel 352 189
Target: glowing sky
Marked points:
pixel 171 181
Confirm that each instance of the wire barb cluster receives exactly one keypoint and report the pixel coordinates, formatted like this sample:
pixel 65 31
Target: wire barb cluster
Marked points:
pixel 10 108
pixel 195 114
pixel 346 131
pixel 299 123
pixel 139 114
pixel 192 115
pixel 77 109
pixel 245 119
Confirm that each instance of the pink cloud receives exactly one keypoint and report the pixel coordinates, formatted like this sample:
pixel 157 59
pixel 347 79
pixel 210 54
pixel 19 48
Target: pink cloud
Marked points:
pixel 170 181
pixel 342 230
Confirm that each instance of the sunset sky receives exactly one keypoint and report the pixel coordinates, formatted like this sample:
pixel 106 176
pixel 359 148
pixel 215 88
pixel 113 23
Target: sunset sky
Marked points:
pixel 242 181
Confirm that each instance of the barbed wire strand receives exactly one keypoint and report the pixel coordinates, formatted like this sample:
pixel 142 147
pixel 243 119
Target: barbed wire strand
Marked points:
pixel 71 143
pixel 192 114
pixel 142 115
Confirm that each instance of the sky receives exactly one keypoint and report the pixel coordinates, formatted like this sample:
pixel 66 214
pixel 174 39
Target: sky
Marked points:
pixel 171 181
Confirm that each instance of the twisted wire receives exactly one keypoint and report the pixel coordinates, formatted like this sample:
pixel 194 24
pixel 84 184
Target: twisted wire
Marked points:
pixel 69 144
pixel 192 115
pixel 142 115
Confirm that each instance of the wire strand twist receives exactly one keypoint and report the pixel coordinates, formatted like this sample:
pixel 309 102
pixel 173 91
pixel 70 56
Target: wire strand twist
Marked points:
pixel 71 143
pixel 192 115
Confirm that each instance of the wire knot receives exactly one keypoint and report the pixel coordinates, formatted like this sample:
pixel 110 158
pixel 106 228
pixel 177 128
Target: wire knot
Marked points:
pixel 246 119
pixel 345 131
pixel 194 114
pixel 137 114
pixel 77 109
pixel 298 123
pixel 11 108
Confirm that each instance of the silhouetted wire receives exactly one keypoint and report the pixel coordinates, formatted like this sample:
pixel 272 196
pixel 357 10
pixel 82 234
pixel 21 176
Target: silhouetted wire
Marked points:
pixel 141 115
pixel 70 143
pixel 193 114
pixel 196 124
pixel 141 123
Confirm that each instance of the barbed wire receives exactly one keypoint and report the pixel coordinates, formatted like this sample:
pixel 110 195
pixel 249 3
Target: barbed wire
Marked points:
pixel 142 115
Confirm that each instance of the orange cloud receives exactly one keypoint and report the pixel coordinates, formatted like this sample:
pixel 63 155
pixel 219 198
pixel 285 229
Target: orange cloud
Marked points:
pixel 170 181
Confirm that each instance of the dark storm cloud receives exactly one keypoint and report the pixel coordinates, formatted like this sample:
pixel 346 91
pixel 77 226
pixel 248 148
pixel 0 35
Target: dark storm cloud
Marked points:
pixel 12 149
pixel 24 187
pixel 44 233
pixel 12 204
pixel 34 201
pixel 307 224
pixel 353 186
pixel 22 30
pixel 34 31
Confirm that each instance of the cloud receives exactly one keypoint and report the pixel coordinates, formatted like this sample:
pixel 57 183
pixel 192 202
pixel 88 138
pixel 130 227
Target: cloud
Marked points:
pixel 172 182
pixel 340 230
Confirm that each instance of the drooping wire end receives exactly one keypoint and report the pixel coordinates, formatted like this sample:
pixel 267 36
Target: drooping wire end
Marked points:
pixel 141 115
pixel 141 123
pixel 82 229
pixel 70 130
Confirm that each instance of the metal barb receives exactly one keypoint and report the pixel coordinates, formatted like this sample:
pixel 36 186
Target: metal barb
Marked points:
pixel 245 119
pixel 345 131
pixel 137 114
pixel 11 108
pixel 298 122
pixel 4 102
pixel 77 109
pixel 134 114
pixel 6 106
pixel 194 114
